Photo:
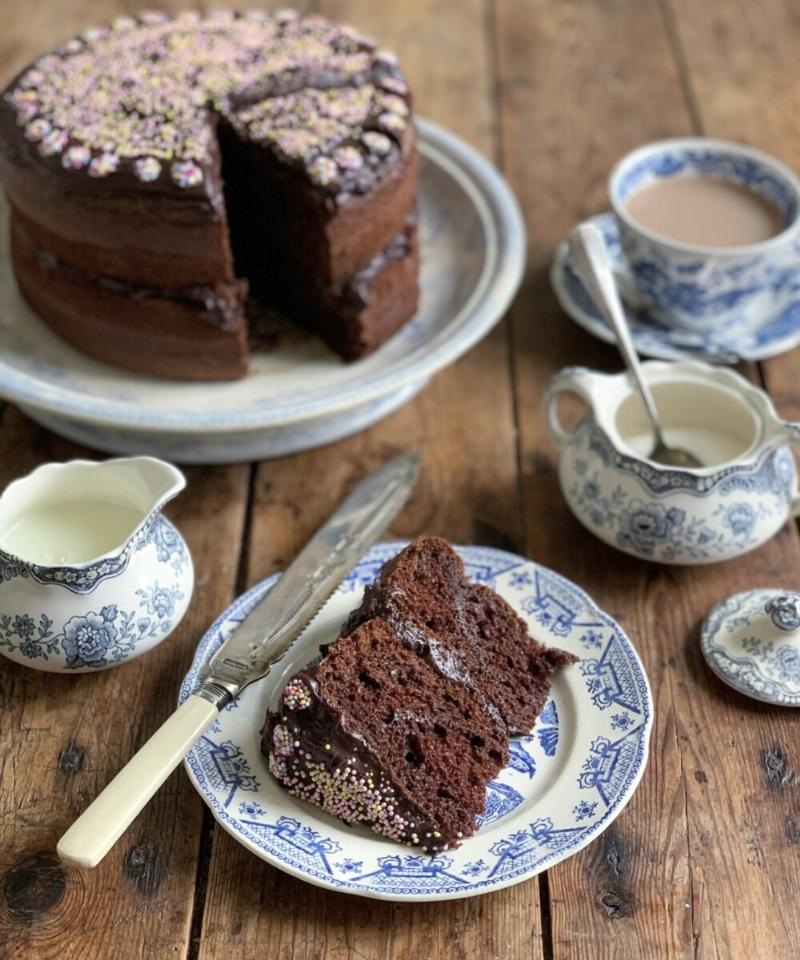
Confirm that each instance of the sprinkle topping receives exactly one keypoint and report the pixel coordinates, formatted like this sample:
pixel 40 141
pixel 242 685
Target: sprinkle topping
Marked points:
pixel 323 171
pixel 75 158
pixel 140 95
pixel 186 173
pixel 377 143
pixel 147 169
pixel 53 142
pixel 348 159
pixel 103 165
pixel 37 129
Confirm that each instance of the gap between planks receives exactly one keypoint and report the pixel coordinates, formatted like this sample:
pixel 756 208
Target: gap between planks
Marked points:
pixel 205 846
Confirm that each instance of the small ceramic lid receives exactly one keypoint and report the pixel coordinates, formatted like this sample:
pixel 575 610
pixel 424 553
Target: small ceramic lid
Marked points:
pixel 752 642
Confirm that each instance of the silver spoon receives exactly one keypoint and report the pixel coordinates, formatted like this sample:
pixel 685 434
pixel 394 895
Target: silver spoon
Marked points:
pixel 591 260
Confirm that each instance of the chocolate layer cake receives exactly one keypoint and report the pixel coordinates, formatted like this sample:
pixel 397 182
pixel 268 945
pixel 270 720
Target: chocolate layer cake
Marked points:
pixel 158 166
pixel 406 718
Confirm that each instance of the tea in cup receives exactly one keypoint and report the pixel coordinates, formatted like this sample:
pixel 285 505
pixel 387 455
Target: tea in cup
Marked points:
pixel 708 228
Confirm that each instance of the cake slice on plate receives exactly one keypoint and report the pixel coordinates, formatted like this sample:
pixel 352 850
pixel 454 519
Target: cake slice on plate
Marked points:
pixel 406 718
pixel 464 630
pixel 374 735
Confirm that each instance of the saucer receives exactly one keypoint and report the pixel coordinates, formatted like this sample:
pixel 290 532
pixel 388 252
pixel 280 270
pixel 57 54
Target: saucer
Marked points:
pixel 565 782
pixel 755 648
pixel 779 332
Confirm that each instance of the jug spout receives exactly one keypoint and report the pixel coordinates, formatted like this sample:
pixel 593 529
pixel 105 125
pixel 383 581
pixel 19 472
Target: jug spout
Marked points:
pixel 82 511
pixel 153 481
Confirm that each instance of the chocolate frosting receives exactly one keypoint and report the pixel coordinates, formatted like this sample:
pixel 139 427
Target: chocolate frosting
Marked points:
pixel 137 102
pixel 317 759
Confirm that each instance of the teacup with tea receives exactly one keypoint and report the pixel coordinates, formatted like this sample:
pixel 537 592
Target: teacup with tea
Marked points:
pixel 708 229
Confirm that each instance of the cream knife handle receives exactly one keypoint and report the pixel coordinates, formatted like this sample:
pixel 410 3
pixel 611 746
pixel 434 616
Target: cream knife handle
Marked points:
pixel 104 821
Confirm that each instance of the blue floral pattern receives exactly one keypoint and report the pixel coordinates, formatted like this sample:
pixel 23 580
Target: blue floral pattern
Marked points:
pixel 84 579
pixel 96 638
pixel 761 666
pixel 551 799
pixel 766 335
pixel 693 287
pixel 646 512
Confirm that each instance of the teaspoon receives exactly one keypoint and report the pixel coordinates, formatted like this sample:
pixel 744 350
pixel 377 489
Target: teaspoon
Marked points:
pixel 589 255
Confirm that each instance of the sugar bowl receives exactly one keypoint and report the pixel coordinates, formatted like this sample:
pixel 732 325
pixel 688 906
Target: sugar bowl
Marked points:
pixel 742 496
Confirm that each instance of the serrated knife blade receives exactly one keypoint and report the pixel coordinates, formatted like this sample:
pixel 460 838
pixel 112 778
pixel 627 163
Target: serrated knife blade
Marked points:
pixel 247 654
pixel 264 635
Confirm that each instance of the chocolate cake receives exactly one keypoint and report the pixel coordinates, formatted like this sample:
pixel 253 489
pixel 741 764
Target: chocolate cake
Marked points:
pixel 158 167
pixel 464 630
pixel 406 718
pixel 373 735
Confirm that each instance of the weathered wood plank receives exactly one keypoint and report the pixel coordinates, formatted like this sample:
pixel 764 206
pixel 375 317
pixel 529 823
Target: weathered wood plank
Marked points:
pixel 462 425
pixel 63 738
pixel 603 79
pixel 580 84
pixel 741 67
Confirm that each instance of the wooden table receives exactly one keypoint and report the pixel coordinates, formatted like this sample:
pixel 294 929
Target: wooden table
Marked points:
pixel 704 861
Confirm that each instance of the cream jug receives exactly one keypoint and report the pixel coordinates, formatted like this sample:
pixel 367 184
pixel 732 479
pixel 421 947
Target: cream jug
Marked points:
pixel 742 496
pixel 91 573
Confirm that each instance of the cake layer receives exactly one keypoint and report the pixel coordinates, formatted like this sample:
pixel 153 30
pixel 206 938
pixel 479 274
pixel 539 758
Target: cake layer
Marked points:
pixel 374 735
pixel 464 630
pixel 405 719
pixel 359 315
pixel 199 332
pixel 179 153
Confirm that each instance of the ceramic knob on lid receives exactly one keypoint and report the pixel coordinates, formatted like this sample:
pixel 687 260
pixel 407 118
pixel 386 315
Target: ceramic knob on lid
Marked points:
pixel 752 642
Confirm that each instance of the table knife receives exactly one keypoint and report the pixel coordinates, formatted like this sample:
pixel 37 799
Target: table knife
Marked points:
pixel 248 654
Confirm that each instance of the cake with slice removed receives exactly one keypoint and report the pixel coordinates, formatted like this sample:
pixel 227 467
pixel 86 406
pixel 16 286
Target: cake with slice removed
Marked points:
pixel 405 719
pixel 159 166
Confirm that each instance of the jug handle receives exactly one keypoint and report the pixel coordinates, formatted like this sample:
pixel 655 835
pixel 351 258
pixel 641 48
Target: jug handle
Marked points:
pixel 791 431
pixel 577 380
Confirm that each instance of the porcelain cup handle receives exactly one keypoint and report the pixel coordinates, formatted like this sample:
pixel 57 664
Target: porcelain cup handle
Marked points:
pixel 575 380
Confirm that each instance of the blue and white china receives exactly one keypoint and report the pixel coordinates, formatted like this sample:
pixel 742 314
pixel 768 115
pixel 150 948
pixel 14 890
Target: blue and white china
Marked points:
pixel 776 332
pixel 709 289
pixel 743 495
pixel 91 573
pixel 298 395
pixel 564 785
pixel 752 642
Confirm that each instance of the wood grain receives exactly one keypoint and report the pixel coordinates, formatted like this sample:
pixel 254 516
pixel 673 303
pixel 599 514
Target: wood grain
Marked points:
pixel 741 71
pixel 702 863
pixel 64 737
pixel 462 425
pixel 599 80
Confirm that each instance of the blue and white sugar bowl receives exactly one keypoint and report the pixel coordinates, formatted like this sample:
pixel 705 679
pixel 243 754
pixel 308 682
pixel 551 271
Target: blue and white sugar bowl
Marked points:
pixel 742 496
pixel 91 573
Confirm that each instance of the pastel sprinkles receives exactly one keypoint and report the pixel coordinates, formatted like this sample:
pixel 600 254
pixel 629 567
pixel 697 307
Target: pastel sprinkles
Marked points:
pixel 139 95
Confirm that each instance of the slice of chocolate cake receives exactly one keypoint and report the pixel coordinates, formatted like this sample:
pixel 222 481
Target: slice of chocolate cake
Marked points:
pixel 464 630
pixel 372 734
pixel 406 718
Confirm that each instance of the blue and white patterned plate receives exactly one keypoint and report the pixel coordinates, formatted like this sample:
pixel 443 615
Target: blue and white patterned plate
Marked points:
pixel 779 332
pixel 298 396
pixel 565 783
